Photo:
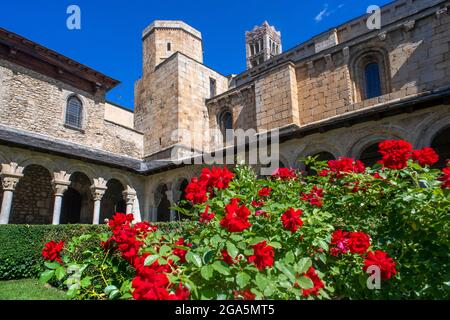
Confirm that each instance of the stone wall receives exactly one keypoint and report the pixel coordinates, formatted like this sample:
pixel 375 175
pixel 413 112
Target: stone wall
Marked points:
pixel 194 90
pixel 33 197
pixel 36 103
pixel 276 98
pixel 119 115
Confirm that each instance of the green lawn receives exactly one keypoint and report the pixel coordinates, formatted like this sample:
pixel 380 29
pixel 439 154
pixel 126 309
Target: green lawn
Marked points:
pixel 28 289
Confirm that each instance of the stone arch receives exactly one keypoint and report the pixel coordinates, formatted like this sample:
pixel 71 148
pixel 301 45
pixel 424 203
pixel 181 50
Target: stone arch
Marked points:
pixel 77 204
pixel 441 144
pixel 112 201
pixel 4 158
pixel 33 197
pixel 375 136
pixel 47 163
pixel 430 128
pixel 89 172
pixel 162 203
pixel 316 149
pixel 359 60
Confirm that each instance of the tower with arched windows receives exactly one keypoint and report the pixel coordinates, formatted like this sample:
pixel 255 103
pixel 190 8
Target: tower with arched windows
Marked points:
pixel 263 43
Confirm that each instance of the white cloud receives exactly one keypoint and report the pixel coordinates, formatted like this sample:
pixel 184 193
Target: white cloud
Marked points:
pixel 323 13
pixel 326 12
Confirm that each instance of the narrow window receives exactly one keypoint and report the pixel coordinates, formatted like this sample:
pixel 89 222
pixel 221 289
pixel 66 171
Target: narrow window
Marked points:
pixel 372 80
pixel 73 112
pixel 212 87
pixel 169 46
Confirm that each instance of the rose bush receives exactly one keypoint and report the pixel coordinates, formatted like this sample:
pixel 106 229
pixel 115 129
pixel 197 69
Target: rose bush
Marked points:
pixel 291 236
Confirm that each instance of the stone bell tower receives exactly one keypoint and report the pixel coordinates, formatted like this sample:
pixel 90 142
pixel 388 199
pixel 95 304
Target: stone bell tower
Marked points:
pixel 263 43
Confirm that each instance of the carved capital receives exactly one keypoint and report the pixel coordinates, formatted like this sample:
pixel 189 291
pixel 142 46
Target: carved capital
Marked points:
pixel 129 195
pixel 11 174
pixel 98 189
pixel 60 188
pixel 9 183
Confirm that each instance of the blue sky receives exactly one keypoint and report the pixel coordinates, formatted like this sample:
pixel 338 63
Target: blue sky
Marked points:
pixel 109 40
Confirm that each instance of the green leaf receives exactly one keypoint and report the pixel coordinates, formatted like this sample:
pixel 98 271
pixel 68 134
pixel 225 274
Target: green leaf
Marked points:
pixel 60 273
pixel 275 245
pixel 261 281
pixel 109 289
pixel 194 259
pixel 207 272
pixel 286 270
pixel 52 265
pixel 305 282
pixel 150 260
pixel 232 250
pixel 164 250
pixel 46 276
pixel 290 258
pixel 242 279
pixel 221 267
pixel 303 265
pixel 85 282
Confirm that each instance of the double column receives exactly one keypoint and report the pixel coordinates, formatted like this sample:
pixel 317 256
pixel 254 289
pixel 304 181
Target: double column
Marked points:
pixel 60 183
pixel 10 175
pixel 98 190
pixel 173 197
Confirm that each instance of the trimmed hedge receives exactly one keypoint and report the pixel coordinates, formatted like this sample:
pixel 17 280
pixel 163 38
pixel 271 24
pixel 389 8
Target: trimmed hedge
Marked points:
pixel 21 245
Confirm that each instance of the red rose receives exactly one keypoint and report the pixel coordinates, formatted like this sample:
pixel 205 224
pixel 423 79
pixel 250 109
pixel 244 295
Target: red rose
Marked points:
pixel 236 218
pixel 262 256
pixel 425 157
pixel 284 174
pixel 314 197
pixel 395 153
pixel 291 219
pixel 151 287
pixel 445 179
pixel 383 261
pixel 196 191
pixel 244 294
pixel 182 293
pixel 345 165
pixel 339 242
pixel 219 178
pixel 358 242
pixel 257 204
pixel 143 228
pixel 206 217
pixel 52 251
pixel 318 283
pixel 181 253
pixel 264 192
pixel 120 220
pixel 226 257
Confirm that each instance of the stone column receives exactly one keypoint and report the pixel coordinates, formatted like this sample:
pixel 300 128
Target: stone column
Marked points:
pixel 60 183
pixel 173 197
pixel 98 189
pixel 129 195
pixel 10 175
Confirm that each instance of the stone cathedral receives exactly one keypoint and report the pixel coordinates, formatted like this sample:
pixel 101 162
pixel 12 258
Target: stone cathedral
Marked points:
pixel 68 155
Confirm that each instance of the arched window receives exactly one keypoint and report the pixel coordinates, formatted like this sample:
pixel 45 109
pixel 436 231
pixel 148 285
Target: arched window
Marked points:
pixel 370 73
pixel 372 80
pixel 74 111
pixel 225 123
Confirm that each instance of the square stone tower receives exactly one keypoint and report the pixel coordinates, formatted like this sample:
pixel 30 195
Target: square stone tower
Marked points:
pixel 263 43
pixel 170 97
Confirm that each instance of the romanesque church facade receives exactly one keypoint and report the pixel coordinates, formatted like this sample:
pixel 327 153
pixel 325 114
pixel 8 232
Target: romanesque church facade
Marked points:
pixel 70 156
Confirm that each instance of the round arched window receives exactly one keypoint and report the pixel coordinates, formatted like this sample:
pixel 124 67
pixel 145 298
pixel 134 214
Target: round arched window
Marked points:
pixel 74 111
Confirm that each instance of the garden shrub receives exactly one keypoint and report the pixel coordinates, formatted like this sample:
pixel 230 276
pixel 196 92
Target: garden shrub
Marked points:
pixel 291 236
pixel 21 246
